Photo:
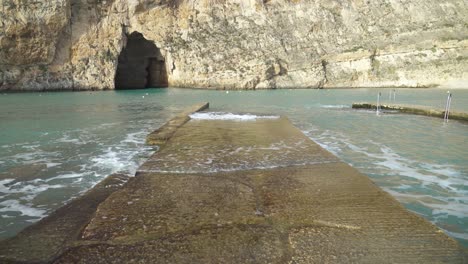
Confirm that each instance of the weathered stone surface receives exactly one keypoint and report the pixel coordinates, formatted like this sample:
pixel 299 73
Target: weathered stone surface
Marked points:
pixel 160 136
pixel 317 213
pixel 235 244
pixel 223 146
pixel 239 44
pixel 136 213
pixel 30 30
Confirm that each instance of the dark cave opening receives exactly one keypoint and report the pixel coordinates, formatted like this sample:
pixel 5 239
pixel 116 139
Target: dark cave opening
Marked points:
pixel 141 65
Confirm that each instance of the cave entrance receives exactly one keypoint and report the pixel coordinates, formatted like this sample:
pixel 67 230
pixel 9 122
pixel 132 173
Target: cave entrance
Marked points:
pixel 141 65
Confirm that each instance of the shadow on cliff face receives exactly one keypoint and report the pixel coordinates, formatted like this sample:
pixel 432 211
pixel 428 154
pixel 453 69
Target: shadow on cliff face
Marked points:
pixel 141 65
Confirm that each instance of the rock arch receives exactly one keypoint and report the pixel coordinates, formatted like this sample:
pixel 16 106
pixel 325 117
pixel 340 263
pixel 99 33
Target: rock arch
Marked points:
pixel 140 65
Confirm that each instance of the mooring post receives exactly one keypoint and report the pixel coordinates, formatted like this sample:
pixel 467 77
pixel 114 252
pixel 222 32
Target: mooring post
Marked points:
pixel 447 106
pixel 378 103
pixel 394 95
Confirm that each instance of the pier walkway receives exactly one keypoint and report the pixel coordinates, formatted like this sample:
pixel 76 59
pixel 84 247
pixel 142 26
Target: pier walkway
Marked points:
pixel 414 110
pixel 259 191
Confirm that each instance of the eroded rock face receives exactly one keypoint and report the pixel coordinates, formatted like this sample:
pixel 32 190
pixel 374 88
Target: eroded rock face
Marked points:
pixel 139 65
pixel 238 44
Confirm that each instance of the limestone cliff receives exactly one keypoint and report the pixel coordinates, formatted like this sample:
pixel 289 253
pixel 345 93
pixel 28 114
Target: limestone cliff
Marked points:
pixel 237 44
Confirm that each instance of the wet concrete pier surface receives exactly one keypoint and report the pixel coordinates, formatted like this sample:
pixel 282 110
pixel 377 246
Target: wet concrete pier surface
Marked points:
pixel 415 110
pixel 259 191
pixel 162 134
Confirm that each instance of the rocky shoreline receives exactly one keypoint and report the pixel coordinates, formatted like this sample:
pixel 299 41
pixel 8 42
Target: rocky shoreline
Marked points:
pixel 81 45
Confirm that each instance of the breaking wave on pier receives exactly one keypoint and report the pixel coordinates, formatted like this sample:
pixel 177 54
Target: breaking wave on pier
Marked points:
pixel 230 116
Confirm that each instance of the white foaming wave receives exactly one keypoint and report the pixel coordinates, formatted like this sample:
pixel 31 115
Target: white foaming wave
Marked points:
pixel 111 160
pixel 67 139
pixel 335 106
pixel 463 236
pixel 38 156
pixel 106 125
pixel 458 209
pixel 245 157
pixel 135 138
pixel 5 181
pixel 30 147
pixel 22 145
pixel 281 145
pixel 387 159
pixel 125 157
pixel 229 116
pixel 67 176
pixel 120 159
pixel 210 169
pixel 330 146
pixel 18 202
pixel 405 167
pixel 52 164
pixel 451 202
pixel 398 165
pixel 441 170
pixel 29 190
pixel 454 204
pixel 407 195
pixel 327 140
pixel 25 210
pixel 441 207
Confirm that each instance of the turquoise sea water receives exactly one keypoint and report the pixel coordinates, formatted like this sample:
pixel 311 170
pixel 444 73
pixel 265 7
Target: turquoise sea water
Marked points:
pixel 76 139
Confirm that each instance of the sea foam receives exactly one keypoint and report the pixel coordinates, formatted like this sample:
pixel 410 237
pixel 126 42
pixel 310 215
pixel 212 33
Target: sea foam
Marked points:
pixel 15 206
pixel 229 116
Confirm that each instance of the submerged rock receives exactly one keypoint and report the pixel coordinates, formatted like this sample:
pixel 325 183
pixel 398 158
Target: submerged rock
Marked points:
pixel 76 45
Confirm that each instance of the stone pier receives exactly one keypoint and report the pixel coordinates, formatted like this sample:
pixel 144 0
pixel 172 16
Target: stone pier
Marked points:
pixel 414 110
pixel 260 191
